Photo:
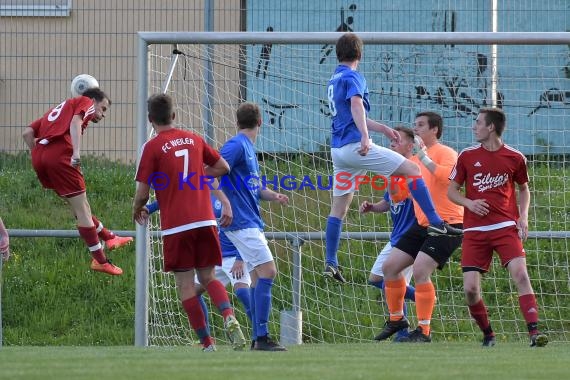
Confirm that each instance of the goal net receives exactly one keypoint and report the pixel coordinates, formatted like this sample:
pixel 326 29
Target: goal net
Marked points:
pixel 286 74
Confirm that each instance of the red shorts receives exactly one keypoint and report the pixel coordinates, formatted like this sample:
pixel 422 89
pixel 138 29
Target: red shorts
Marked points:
pixel 52 165
pixel 478 247
pixel 195 248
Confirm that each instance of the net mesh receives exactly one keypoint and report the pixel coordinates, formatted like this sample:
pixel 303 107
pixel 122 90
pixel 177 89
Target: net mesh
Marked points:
pixel 289 82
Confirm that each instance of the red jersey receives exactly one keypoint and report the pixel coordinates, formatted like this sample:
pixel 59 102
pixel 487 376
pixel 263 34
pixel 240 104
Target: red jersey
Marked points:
pixel 491 176
pixel 55 123
pixel 172 163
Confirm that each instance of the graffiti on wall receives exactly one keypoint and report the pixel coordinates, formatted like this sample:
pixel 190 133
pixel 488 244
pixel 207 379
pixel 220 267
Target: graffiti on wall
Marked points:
pixel 346 25
pixel 455 80
pixel 264 58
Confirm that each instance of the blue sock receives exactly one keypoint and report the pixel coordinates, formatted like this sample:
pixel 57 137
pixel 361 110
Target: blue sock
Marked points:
pixel 152 207
pixel 252 311
pixel 204 309
pixel 410 293
pixel 377 284
pixel 334 228
pixel 243 295
pixel 421 195
pixel 263 305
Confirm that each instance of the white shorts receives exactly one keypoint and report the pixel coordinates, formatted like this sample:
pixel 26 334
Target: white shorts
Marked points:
pixel 251 245
pixel 224 275
pixel 348 164
pixel 382 256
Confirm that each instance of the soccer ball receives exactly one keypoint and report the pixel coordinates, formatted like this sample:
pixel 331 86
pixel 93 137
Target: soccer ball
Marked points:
pixel 82 83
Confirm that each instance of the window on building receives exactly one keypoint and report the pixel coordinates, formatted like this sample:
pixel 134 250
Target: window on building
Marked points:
pixel 35 8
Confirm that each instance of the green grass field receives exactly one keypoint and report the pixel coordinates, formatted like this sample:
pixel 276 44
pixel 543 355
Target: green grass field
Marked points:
pixel 51 298
pixel 306 362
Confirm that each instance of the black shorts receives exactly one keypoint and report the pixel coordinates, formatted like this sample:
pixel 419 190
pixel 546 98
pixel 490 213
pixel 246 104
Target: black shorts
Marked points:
pixel 439 248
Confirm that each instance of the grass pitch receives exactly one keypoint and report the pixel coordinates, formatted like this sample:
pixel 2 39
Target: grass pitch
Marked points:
pixel 305 362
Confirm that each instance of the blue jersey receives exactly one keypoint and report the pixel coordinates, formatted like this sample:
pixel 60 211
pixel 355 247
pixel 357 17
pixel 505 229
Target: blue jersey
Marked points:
pixel 343 85
pixel 241 184
pixel 403 217
pixel 228 248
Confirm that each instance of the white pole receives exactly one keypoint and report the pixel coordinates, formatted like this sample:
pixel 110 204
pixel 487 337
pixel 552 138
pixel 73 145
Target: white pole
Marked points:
pixel 494 49
pixel 401 38
pixel 208 100
pixel 141 281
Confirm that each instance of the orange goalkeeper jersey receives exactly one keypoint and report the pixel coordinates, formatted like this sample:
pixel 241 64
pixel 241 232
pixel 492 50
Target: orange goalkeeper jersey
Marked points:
pixel 437 183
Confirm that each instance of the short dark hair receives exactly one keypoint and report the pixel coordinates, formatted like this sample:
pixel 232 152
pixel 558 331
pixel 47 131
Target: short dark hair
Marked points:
pixel 248 115
pixel 434 121
pixel 349 47
pixel 495 116
pixel 160 109
pixel 96 94
pixel 409 132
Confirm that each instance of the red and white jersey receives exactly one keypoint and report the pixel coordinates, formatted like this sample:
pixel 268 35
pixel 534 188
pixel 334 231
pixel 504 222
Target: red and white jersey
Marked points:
pixel 55 123
pixel 491 176
pixel 172 163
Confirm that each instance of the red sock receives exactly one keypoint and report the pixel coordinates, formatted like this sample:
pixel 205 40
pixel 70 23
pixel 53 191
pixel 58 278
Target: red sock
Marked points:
pixel 103 233
pixel 220 298
pixel 481 316
pixel 89 235
pixel 197 320
pixel 529 309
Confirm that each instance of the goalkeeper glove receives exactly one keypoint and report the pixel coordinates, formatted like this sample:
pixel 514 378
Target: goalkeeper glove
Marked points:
pixel 421 151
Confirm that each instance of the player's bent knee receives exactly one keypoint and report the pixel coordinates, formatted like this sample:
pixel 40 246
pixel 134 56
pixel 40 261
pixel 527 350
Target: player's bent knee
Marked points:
pixel 391 270
pixel 408 168
pixel 521 279
pixel 471 294
pixel 375 278
pixel 266 270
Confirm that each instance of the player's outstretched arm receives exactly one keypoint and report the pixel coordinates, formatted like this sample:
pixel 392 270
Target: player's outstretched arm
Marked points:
pixel 220 168
pixel 140 212
pixel 359 116
pixel 367 206
pixel 524 204
pixel 29 134
pixel 272 196
pixel 454 193
pixel 476 206
pixel 227 214
pixel 29 137
pixel 420 150
pixel 376 126
pixel 75 132
pixel 238 269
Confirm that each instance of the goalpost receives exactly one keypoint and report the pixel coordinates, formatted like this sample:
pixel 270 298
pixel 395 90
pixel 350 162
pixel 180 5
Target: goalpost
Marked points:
pixel 455 74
